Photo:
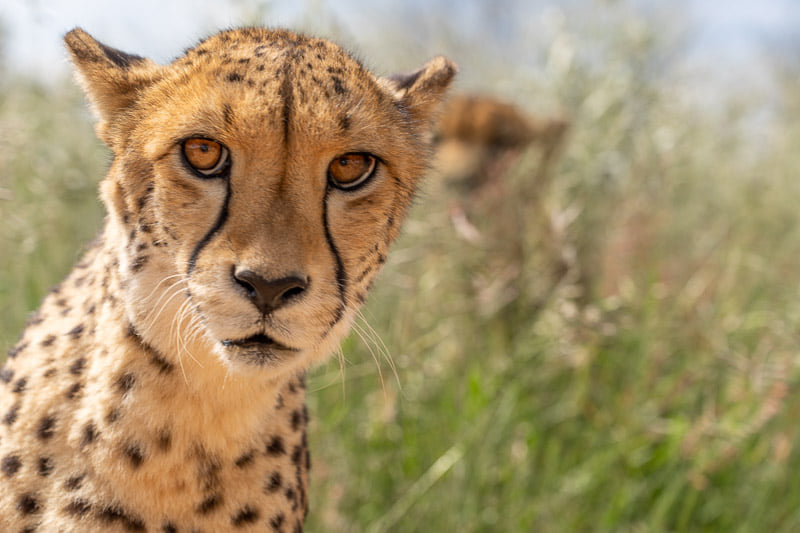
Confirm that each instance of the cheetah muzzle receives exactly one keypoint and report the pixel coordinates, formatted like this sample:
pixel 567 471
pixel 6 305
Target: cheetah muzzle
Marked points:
pixel 256 186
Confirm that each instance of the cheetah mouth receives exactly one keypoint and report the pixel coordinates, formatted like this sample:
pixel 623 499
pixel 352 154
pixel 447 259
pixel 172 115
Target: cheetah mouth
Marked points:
pixel 258 342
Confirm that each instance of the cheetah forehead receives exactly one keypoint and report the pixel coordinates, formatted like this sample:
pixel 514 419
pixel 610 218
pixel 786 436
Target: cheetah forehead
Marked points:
pixel 265 69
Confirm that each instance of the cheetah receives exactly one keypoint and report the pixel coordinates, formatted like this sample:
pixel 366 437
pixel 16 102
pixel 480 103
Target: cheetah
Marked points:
pixel 478 138
pixel 255 187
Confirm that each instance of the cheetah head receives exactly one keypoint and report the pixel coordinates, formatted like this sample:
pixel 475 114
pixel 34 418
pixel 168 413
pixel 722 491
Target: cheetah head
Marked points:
pixel 257 183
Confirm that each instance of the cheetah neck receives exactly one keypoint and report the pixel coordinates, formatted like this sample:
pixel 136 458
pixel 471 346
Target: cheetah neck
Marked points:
pixel 166 375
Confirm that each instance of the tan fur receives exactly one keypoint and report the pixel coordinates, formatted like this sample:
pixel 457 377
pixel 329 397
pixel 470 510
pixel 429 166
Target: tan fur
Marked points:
pixel 121 409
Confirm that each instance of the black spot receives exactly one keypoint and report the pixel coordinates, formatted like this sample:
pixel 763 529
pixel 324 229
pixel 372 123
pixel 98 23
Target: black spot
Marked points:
pixel 76 332
pixel 6 375
pixel 274 483
pixel 10 464
pixel 13 352
pixel 297 420
pixel 244 60
pixel 277 521
pixel 163 366
pixel 45 466
pixel 78 507
pixel 209 504
pixel 77 366
pixel 73 391
pixel 139 263
pixel 164 440
pixel 338 86
pixel 246 515
pixel 113 513
pixel 27 504
pixel 169 528
pixel 275 447
pixel 291 495
pixel 20 385
pixel 234 77
pixel 297 455
pixel 245 460
pixel 11 416
pixel 112 415
pixel 125 382
pixel 35 319
pixel 47 341
pixel 45 429
pixel 134 454
pixel 89 434
pixel 74 482
pixel 49 373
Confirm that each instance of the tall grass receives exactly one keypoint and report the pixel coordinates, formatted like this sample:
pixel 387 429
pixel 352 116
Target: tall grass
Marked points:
pixel 616 351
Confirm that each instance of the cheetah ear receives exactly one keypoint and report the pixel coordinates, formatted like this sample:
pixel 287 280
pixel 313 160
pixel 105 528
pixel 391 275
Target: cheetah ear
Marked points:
pixel 111 78
pixel 421 91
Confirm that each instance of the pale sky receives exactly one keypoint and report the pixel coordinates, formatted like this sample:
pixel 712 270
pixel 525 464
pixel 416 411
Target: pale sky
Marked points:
pixel 727 34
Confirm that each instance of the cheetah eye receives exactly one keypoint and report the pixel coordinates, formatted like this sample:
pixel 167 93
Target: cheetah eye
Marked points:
pixel 207 157
pixel 348 171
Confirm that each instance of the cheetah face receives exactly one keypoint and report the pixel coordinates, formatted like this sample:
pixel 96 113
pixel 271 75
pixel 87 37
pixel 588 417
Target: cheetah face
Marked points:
pixel 259 180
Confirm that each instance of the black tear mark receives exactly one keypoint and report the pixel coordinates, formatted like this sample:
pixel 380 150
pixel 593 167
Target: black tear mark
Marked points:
pixel 223 216
pixel 341 279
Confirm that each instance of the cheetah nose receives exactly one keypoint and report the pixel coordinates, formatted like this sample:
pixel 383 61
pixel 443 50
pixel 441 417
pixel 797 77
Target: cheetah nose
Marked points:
pixel 269 295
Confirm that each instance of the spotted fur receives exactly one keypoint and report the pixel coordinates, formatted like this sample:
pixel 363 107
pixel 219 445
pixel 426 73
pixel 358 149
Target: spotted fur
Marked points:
pixel 152 391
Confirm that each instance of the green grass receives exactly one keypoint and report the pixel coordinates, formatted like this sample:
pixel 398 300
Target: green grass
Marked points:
pixel 618 352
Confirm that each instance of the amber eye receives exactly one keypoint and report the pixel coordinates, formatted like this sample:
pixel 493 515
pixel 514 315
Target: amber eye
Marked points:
pixel 348 171
pixel 207 157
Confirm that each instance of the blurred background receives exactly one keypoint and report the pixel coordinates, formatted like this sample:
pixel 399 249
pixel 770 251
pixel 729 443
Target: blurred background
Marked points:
pixel 592 319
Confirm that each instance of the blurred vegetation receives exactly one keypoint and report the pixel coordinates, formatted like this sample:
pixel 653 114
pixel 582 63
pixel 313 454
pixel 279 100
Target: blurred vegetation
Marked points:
pixel 617 350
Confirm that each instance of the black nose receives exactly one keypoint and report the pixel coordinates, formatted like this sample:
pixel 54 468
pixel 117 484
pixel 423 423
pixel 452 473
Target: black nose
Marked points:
pixel 269 295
